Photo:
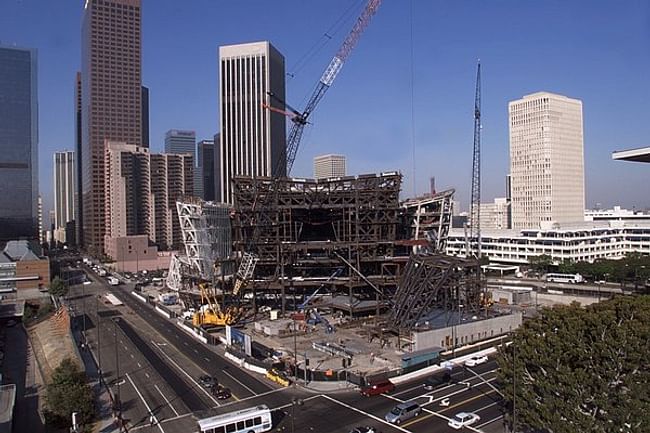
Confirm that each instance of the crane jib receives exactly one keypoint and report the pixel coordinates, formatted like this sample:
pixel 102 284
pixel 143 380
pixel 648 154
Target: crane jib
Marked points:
pixel 332 71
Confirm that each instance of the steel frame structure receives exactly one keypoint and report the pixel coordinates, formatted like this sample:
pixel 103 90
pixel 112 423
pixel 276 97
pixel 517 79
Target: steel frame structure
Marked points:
pixel 432 282
pixel 295 227
pixel 429 219
pixel 205 227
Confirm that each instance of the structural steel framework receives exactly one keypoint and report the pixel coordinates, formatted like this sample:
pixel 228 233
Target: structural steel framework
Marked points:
pixel 295 226
pixel 436 282
pixel 429 218
pixel 206 235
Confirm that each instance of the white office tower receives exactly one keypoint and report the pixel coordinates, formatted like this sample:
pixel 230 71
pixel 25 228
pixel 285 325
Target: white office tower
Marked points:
pixel 546 160
pixel 326 166
pixel 253 137
pixel 65 174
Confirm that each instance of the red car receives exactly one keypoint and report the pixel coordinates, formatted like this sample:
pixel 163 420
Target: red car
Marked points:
pixel 377 388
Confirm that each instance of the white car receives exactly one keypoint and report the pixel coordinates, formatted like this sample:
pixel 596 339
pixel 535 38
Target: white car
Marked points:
pixel 463 419
pixel 476 360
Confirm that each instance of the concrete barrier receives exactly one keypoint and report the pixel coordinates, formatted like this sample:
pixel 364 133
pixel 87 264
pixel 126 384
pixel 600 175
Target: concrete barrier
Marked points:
pixel 192 332
pixel 140 297
pixel 243 364
pixel 163 312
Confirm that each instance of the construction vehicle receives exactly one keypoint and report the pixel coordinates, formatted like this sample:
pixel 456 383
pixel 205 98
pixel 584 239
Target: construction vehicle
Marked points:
pixel 211 313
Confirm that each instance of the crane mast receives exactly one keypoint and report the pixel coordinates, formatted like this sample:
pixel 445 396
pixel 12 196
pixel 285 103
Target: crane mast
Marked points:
pixel 301 119
pixel 475 210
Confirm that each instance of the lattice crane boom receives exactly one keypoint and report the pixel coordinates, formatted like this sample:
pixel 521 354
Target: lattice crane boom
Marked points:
pixel 475 211
pixel 300 120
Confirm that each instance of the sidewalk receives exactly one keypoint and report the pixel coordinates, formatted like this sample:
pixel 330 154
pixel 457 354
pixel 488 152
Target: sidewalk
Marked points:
pixel 105 423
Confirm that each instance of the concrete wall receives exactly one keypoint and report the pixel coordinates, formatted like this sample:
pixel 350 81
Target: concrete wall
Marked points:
pixel 466 333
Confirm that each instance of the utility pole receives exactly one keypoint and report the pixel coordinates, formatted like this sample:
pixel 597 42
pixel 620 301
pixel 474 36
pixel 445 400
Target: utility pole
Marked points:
pixel 514 387
pixel 117 371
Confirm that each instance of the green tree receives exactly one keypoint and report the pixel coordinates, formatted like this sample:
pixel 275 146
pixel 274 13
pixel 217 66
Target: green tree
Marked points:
pixel 58 287
pixel 541 263
pixel 69 392
pixel 575 369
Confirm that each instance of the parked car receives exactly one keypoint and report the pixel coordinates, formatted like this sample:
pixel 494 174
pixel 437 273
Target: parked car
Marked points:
pixel 377 388
pixel 402 412
pixel 476 360
pixel 221 392
pixel 208 381
pixel 442 378
pixel 463 419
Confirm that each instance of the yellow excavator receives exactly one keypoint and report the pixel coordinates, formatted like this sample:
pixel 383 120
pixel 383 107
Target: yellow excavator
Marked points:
pixel 211 313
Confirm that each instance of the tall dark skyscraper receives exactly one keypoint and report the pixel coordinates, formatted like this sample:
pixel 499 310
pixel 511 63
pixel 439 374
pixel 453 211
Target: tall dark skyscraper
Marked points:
pixel 252 139
pixel 111 94
pixel 205 167
pixel 18 144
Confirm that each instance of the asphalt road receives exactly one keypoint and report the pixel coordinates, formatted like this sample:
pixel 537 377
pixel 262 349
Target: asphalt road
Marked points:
pixel 175 358
pixel 239 381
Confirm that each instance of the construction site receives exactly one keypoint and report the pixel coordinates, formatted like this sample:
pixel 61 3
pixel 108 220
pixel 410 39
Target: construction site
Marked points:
pixel 336 274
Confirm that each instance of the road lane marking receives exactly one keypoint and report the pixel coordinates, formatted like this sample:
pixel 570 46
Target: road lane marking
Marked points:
pixel 376 418
pixel 489 422
pixel 145 403
pixel 186 374
pixel 440 415
pixel 235 379
pixel 166 400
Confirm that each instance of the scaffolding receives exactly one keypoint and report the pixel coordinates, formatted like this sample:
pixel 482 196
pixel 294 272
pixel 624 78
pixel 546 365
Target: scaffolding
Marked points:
pixel 436 282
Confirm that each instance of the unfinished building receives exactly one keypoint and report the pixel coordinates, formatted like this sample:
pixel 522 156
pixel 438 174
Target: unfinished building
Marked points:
pixel 350 234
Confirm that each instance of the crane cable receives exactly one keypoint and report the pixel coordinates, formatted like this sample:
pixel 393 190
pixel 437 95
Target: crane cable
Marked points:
pixel 326 37
pixel 413 100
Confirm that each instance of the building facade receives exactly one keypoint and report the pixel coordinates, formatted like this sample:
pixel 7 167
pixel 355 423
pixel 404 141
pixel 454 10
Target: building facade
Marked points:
pixel 252 137
pixel 141 193
pixel 111 95
pixel 326 166
pixel 495 215
pixel 574 242
pixel 180 142
pixel 65 181
pixel 18 144
pixel 546 160
pixel 79 169
pixel 205 168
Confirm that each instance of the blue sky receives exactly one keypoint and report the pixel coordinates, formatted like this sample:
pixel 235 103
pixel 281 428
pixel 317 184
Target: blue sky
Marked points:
pixel 594 50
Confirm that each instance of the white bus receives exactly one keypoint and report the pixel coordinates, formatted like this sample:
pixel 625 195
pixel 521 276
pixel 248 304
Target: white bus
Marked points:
pixel 253 420
pixel 564 278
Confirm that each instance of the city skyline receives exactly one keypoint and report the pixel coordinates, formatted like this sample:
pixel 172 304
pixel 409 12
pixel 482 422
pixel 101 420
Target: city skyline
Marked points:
pixel 586 55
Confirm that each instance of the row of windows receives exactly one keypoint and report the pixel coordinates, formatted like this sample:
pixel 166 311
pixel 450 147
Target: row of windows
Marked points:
pixel 241 425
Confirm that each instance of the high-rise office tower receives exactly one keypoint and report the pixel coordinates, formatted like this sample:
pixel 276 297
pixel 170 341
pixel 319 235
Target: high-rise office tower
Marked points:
pixel 252 137
pixel 180 142
pixel 78 170
pixel 329 166
pixel 18 144
pixel 145 116
pixel 217 168
pixel 205 168
pixel 546 160
pixel 111 94
pixel 65 179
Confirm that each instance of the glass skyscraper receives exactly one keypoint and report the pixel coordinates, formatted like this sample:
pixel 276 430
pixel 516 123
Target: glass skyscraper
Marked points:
pixel 18 144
